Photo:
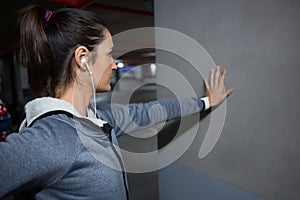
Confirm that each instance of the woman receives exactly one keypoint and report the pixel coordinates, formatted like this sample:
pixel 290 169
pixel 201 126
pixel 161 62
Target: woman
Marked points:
pixel 64 149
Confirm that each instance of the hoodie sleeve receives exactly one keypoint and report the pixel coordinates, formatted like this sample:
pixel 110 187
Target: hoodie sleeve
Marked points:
pixel 33 158
pixel 133 117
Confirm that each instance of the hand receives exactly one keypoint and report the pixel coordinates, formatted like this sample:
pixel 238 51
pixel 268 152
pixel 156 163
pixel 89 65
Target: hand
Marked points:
pixel 215 88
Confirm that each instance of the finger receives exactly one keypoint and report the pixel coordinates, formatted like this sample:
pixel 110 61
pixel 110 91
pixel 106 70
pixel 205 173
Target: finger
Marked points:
pixel 212 78
pixel 217 76
pixel 224 73
pixel 229 92
pixel 206 85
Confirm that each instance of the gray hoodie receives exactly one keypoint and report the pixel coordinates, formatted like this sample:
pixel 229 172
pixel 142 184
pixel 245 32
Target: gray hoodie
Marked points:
pixel 59 154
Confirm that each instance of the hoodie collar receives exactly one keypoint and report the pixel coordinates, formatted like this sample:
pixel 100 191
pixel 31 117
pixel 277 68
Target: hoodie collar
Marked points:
pixel 40 106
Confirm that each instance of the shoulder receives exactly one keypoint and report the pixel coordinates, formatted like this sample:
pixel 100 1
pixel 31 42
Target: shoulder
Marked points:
pixel 59 125
pixel 53 134
pixel 43 152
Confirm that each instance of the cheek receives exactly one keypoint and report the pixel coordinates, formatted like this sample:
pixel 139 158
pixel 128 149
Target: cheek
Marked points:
pixel 100 72
pixel 104 79
pixel 106 71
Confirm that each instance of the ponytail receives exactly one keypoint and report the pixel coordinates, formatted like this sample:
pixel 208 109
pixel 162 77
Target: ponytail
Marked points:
pixel 35 53
pixel 47 44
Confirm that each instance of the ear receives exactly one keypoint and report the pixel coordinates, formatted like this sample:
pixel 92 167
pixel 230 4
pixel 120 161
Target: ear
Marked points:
pixel 80 52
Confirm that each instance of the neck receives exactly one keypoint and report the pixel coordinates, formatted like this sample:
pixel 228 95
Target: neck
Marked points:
pixel 79 97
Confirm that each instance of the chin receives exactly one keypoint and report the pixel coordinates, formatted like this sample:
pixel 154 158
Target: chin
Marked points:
pixel 104 89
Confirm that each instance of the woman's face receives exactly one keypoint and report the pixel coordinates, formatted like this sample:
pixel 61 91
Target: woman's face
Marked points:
pixel 102 64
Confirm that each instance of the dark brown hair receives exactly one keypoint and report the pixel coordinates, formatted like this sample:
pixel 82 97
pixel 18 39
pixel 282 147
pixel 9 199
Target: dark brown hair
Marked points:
pixel 47 46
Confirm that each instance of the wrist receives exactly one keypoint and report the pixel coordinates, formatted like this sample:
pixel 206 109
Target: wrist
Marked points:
pixel 206 102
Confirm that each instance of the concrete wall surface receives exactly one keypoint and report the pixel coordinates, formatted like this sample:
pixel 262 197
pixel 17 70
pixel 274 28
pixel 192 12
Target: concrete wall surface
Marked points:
pixel 258 42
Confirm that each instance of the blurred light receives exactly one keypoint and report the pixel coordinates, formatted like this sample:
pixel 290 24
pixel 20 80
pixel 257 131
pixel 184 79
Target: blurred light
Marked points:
pixel 120 65
pixel 73 3
pixel 153 69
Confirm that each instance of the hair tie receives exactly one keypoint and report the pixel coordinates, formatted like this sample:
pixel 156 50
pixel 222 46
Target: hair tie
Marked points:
pixel 48 15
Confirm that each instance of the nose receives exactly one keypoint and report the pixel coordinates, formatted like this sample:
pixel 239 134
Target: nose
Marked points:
pixel 113 65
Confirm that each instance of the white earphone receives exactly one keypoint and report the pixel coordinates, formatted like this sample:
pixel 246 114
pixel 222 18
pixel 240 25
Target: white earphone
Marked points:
pixel 84 60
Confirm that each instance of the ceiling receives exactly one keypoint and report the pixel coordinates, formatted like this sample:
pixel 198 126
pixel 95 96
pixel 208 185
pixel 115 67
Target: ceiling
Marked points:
pixel 120 15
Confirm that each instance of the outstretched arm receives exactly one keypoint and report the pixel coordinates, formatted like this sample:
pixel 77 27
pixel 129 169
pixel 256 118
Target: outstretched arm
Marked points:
pixel 134 117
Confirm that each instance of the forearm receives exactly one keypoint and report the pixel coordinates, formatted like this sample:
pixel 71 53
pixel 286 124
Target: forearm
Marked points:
pixel 133 117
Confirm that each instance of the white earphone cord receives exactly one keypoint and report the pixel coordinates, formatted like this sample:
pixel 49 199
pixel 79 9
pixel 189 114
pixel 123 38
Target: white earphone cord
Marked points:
pixel 93 85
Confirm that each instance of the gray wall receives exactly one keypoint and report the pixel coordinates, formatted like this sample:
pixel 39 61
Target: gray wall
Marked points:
pixel 258 42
